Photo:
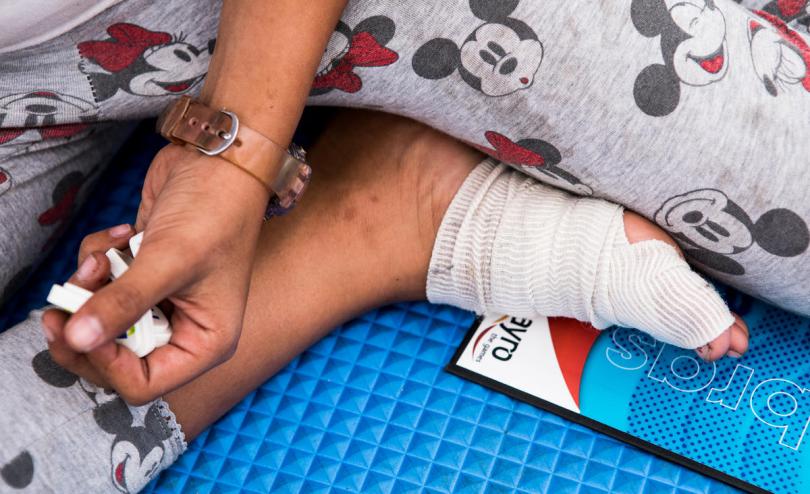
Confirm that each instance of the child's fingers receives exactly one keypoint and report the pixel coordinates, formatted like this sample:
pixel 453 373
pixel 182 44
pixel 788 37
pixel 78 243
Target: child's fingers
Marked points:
pixel 117 236
pixel 53 321
pixel 93 272
pixel 53 324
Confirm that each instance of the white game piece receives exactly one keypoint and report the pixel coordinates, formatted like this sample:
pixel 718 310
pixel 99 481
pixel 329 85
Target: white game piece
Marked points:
pixel 151 331
pixel 68 297
pixel 160 327
pixel 135 244
pixel 131 338
pixel 119 262
pixel 140 338
pixel 159 321
pixel 146 342
pixel 162 339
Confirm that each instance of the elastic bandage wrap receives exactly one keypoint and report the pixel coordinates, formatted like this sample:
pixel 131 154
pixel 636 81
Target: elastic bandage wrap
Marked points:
pixel 511 245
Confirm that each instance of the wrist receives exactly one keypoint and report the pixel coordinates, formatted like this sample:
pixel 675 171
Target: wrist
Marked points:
pixel 219 133
pixel 284 173
pixel 217 171
pixel 273 119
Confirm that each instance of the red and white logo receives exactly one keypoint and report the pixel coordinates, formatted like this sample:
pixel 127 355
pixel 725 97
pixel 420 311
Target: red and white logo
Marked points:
pixel 543 357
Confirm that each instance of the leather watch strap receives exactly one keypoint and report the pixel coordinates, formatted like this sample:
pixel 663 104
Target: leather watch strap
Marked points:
pixel 217 132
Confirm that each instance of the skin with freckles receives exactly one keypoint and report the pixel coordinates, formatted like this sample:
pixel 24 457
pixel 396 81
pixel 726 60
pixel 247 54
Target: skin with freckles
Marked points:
pixel 362 238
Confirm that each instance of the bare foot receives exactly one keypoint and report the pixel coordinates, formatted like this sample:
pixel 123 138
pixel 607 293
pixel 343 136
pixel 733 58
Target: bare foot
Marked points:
pixel 388 180
pixel 400 187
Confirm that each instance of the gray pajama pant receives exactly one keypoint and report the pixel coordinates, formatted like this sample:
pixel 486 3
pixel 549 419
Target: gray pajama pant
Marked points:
pixel 691 112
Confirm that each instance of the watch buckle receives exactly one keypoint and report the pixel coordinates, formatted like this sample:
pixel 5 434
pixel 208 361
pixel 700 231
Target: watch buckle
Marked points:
pixel 188 122
pixel 228 136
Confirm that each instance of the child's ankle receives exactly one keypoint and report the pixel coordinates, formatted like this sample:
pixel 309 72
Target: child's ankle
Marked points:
pixel 435 167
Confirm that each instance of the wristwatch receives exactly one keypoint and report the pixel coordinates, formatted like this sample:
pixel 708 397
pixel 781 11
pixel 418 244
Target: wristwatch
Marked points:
pixel 218 133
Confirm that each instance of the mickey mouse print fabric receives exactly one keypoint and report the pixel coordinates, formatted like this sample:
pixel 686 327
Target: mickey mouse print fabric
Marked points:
pixel 691 112
pixel 57 101
pixel 52 416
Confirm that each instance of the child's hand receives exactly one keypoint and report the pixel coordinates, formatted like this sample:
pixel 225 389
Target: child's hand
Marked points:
pixel 201 218
pixel 93 273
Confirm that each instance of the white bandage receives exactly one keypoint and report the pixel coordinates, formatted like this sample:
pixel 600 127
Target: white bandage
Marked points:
pixel 509 244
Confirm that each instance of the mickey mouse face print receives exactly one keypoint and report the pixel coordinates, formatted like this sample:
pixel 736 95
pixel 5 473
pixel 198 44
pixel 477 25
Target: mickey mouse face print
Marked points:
pixel 693 47
pixel 498 58
pixel 715 228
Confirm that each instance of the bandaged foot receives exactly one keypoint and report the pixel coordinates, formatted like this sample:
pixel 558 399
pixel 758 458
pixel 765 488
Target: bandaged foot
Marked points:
pixel 509 244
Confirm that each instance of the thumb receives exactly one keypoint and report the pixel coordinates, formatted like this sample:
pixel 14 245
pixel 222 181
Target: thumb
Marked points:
pixel 119 305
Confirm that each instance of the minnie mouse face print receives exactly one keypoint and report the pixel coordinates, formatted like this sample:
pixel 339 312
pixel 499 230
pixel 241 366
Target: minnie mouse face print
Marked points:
pixel 714 228
pixel 143 62
pixel 30 117
pixel 535 157
pixel 788 10
pixel 499 57
pixel 780 55
pixel 693 46
pixel 336 48
pixel 363 46
pixel 43 109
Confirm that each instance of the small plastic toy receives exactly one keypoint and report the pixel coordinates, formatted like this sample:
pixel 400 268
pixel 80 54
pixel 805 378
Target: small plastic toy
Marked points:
pixel 135 244
pixel 119 262
pixel 151 331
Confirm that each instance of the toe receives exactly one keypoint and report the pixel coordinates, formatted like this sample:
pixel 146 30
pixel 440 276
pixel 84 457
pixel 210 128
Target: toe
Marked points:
pixel 716 348
pixel 689 292
pixel 738 344
pixel 732 342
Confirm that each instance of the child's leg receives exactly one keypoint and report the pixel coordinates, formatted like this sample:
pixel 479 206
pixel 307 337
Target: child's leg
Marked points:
pixel 61 433
pixel 692 113
pixel 363 238
pixel 44 176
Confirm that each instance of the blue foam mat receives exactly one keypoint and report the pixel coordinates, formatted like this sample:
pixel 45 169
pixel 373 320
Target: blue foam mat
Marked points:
pixel 370 408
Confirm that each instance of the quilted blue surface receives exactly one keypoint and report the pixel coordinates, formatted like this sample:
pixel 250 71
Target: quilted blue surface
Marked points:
pixel 370 408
